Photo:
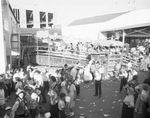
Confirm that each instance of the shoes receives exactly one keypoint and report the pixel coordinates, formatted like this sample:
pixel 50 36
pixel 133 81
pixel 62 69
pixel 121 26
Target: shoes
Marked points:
pixel 99 96
pixel 95 95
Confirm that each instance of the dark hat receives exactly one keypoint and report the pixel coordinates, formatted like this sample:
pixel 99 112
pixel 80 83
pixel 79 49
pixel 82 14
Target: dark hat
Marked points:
pixel 65 65
pixel 88 57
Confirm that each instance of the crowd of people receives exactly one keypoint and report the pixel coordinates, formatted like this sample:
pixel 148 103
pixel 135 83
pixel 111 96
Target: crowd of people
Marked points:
pixel 137 95
pixel 32 88
pixel 79 48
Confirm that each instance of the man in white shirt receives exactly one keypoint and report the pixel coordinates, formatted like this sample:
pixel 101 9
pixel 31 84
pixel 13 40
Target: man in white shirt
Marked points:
pixel 129 65
pixel 99 72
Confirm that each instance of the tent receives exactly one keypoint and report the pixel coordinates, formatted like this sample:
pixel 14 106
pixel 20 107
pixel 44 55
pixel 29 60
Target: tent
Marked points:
pixel 133 19
pixel 116 43
pixel 108 43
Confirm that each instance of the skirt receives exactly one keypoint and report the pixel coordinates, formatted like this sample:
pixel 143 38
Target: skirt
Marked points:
pixel 127 112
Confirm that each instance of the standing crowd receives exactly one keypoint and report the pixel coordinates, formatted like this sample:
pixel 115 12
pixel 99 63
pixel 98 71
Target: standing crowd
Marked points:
pixel 137 95
pixel 33 88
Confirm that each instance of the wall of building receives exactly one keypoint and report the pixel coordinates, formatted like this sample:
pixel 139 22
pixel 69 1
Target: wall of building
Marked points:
pixel 9 22
pixel 35 14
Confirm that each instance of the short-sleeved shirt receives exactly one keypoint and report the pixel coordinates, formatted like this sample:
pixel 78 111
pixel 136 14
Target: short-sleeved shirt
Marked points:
pixel 61 105
pixel 98 73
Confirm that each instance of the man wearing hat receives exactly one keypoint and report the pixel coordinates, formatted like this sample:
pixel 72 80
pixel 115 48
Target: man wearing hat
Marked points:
pixel 99 72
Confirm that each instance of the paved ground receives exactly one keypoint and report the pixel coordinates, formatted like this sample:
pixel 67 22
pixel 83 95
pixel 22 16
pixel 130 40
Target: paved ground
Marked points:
pixel 108 106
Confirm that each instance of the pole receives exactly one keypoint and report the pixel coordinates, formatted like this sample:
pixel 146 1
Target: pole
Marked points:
pixel 49 52
pixel 123 39
pixel 37 52
pixel 2 42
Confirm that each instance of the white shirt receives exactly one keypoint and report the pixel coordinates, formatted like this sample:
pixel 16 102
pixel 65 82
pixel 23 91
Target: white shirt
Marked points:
pixel 21 74
pixel 144 95
pixel 38 78
pixel 129 100
pixel 130 77
pixel 61 104
pixel 14 77
pixel 129 65
pixel 124 74
pixel 134 73
pixel 98 73
pixel 74 72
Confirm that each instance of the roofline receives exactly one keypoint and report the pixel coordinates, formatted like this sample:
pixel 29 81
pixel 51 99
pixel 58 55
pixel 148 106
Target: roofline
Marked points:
pixel 13 13
pixel 117 14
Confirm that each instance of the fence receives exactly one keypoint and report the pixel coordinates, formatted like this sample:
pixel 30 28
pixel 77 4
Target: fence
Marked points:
pixel 59 58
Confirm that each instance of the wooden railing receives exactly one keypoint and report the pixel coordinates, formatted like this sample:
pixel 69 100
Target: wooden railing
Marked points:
pixel 59 58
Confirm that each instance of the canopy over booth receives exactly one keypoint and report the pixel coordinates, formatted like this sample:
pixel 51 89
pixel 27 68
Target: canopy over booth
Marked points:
pixel 108 43
pixel 133 19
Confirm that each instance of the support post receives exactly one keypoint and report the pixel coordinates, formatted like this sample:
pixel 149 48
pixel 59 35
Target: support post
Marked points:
pixel 123 37
pixel 2 43
pixel 49 51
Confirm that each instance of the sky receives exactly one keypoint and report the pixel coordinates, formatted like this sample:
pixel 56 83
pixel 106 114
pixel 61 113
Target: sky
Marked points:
pixel 66 11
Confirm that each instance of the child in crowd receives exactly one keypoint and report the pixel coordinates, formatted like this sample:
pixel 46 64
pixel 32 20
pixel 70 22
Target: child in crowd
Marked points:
pixel 72 95
pixel 62 105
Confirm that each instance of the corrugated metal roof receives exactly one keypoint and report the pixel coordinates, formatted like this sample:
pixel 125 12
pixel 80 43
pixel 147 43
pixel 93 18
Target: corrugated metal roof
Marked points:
pixel 96 19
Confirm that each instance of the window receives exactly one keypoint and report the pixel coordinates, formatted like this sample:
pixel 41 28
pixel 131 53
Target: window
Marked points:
pixel 42 17
pixel 50 17
pixel 29 18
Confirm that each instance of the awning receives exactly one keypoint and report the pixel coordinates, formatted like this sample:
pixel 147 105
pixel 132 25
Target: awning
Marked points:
pixel 133 19
pixel 108 43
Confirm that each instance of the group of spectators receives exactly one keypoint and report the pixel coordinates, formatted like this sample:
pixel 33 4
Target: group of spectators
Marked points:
pixel 137 95
pixel 33 88
pixel 79 48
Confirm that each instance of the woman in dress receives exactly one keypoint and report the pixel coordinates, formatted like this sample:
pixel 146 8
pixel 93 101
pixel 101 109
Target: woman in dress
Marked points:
pixel 53 99
pixel 128 103
pixel 72 94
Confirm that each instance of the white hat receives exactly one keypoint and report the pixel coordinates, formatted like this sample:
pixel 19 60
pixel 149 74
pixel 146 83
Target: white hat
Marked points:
pixel 7 108
pixel 19 91
pixel 48 115
pixel 67 99
pixel 34 96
